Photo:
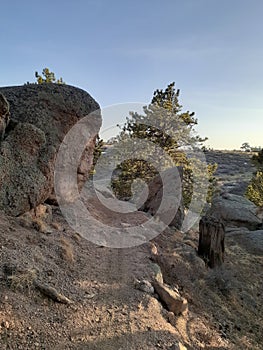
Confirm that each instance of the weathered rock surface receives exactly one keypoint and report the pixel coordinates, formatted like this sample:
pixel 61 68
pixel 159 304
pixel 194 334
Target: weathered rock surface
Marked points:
pixel 235 210
pixel 251 241
pixel 168 187
pixel 4 115
pixel 157 273
pixel 234 170
pixel 174 302
pixel 144 286
pixel 38 218
pixel 41 116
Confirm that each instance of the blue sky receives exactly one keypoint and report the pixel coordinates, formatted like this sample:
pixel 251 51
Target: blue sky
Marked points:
pixel 121 51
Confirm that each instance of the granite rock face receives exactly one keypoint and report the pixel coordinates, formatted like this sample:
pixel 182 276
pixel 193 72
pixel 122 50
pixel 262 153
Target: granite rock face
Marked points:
pixel 41 116
pixel 235 211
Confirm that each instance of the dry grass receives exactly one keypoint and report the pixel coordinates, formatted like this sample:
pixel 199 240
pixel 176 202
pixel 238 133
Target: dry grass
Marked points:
pixel 67 250
pixel 39 225
pixel 22 281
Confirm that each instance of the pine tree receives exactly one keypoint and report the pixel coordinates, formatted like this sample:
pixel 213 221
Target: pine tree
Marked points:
pixel 166 126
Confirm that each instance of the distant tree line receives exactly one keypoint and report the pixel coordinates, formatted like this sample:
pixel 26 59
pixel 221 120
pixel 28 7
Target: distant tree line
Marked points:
pixel 247 148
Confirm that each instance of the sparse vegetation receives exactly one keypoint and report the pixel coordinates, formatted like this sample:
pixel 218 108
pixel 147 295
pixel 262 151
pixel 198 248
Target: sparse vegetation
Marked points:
pixel 22 280
pixel 97 153
pixel 67 250
pixel 257 160
pixel 47 77
pixel 254 190
pixel 245 147
pixel 211 169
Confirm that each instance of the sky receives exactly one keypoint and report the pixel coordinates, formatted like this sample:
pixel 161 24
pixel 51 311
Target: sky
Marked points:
pixel 121 51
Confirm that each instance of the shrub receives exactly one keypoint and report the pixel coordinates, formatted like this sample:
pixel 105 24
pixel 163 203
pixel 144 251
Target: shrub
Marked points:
pixel 254 190
pixel 47 77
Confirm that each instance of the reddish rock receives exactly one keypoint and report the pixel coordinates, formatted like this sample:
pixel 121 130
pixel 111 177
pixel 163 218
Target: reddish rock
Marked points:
pixel 173 301
pixel 41 116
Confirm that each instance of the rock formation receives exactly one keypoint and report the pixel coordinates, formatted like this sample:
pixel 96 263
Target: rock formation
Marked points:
pixel 41 115
pixel 167 185
pixel 235 211
pixel 4 115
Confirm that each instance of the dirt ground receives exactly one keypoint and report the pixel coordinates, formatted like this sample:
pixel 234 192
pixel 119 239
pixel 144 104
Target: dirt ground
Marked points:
pixel 225 305
pixel 106 311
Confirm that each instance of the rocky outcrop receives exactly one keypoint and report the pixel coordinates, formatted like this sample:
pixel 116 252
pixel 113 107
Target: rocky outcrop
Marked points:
pixel 41 116
pixel 234 171
pixel 166 187
pixel 250 241
pixel 235 210
pixel 4 115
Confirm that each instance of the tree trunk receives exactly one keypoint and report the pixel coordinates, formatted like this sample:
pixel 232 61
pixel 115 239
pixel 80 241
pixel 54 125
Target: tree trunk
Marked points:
pixel 211 240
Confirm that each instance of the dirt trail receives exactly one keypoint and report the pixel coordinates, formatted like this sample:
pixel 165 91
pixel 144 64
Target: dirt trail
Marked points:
pixel 108 312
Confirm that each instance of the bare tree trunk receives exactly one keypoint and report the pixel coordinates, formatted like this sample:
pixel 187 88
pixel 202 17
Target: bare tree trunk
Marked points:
pixel 211 240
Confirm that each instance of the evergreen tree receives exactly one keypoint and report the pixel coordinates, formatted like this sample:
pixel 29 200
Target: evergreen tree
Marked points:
pixel 166 126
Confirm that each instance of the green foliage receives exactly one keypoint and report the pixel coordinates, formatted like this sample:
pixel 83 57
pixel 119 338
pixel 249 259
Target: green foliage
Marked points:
pixel 167 130
pixel 254 191
pixel 211 169
pixel 246 147
pixel 257 160
pixel 98 149
pixel 99 144
pixel 47 77
pixel 128 171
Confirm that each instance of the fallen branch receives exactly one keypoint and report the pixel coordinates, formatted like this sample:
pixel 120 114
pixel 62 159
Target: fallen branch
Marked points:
pixel 52 293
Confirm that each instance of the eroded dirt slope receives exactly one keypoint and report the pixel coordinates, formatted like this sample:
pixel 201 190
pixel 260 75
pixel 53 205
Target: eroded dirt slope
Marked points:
pixel 107 311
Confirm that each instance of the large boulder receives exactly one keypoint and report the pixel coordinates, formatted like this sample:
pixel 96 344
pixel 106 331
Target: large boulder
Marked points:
pixel 41 116
pixel 165 197
pixel 250 241
pixel 235 210
pixel 4 115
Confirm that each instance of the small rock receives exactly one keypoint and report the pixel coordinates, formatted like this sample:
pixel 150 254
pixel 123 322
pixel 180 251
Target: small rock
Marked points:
pixel 5 324
pixel 144 286
pixel 158 276
pixel 57 226
pixel 90 295
pixel 153 248
pixel 178 346
pixel 170 298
